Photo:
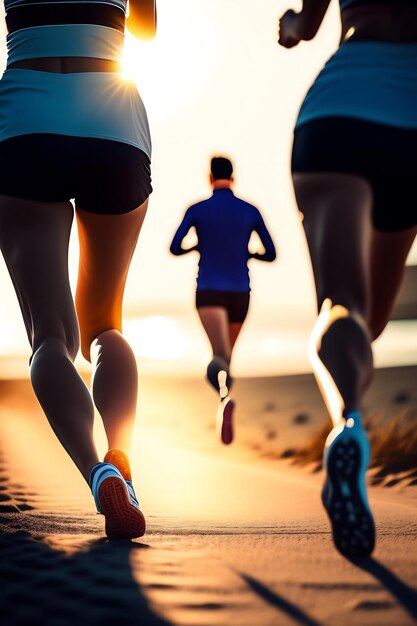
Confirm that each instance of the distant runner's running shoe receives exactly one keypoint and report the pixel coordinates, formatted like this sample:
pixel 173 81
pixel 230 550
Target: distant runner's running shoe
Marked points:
pixel 219 377
pixel 225 420
pixel 346 459
pixel 116 500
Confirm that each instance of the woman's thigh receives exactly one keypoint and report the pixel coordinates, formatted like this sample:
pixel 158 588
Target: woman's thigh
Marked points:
pixel 382 155
pixel 107 244
pixel 34 239
pixel 336 212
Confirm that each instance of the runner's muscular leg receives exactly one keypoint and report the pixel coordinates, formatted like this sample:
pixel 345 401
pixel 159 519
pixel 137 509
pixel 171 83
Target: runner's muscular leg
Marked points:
pixel 336 210
pixel 107 244
pixel 34 240
pixel 215 323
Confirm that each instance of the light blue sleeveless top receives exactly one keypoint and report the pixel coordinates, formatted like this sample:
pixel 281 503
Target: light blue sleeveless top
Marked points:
pixel 65 40
pixel 371 81
pixel 367 80
pixel 102 105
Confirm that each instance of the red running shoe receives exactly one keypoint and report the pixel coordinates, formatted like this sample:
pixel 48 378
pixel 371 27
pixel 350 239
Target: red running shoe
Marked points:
pixel 116 499
pixel 225 420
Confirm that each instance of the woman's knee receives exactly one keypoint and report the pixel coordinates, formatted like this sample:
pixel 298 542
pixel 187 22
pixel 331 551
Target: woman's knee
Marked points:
pixel 91 330
pixel 111 341
pixel 64 339
pixel 97 315
pixel 72 342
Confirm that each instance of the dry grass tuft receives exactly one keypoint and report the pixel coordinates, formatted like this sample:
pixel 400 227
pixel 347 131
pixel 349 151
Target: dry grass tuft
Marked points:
pixel 394 449
pixel 393 443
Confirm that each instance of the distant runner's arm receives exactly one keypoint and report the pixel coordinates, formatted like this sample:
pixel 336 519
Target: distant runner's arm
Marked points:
pixel 141 21
pixel 266 239
pixel 294 27
pixel 176 245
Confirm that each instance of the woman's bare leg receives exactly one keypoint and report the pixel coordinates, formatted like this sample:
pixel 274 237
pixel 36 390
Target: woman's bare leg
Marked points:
pixel 107 243
pixel 34 241
pixel 115 387
pixel 337 222
pixel 336 210
pixel 389 253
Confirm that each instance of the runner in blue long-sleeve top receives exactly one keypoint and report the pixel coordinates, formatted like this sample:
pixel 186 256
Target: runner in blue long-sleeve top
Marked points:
pixel 224 225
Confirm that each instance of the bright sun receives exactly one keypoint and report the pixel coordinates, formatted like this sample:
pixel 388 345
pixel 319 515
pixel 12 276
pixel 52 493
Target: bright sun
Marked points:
pixel 173 69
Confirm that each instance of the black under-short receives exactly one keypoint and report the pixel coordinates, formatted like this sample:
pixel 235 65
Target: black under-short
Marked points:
pixel 385 155
pixel 236 303
pixel 103 176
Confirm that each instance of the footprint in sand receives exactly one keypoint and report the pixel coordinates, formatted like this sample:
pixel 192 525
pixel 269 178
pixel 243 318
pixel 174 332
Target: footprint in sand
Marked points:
pixel 271 435
pixel 371 605
pixel 301 418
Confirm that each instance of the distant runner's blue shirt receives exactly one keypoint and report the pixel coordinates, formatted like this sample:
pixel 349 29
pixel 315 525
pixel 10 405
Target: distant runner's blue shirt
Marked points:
pixel 224 224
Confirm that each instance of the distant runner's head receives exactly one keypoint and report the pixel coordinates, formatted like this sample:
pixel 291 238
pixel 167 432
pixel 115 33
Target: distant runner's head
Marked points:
pixel 221 172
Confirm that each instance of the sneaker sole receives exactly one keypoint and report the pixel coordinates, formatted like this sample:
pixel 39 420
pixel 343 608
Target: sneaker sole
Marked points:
pixel 226 422
pixel 352 523
pixel 123 520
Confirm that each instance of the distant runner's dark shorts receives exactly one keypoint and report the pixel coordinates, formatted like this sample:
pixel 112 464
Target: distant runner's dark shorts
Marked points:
pixel 104 177
pixel 384 155
pixel 236 303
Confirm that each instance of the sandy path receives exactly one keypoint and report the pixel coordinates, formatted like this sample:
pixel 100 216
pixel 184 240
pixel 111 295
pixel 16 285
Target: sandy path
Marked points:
pixel 264 559
pixel 228 543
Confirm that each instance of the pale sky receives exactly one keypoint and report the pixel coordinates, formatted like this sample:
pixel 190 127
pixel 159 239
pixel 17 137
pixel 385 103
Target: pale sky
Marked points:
pixel 215 81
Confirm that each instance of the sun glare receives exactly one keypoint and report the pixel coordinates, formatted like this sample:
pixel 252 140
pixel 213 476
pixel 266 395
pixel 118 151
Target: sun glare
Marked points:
pixel 156 337
pixel 171 70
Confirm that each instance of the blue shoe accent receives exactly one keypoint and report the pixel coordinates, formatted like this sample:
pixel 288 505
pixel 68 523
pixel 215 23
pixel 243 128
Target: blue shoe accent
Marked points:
pixel 132 495
pixel 346 459
pixel 98 474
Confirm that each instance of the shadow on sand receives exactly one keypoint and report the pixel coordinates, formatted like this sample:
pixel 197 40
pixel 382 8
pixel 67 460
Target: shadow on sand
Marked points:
pixel 279 602
pixel 93 585
pixel 405 595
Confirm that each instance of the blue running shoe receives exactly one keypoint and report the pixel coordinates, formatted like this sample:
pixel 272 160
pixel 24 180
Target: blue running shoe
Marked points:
pixel 346 459
pixel 116 500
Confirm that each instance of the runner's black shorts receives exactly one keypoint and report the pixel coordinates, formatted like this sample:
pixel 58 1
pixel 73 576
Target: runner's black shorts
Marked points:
pixel 386 156
pixel 102 176
pixel 236 303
